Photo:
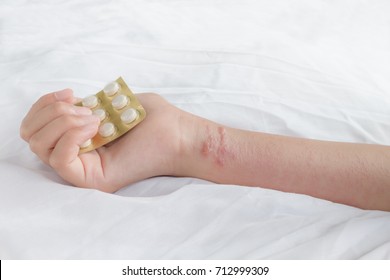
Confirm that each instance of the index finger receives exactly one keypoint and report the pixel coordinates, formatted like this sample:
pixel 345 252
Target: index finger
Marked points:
pixel 65 95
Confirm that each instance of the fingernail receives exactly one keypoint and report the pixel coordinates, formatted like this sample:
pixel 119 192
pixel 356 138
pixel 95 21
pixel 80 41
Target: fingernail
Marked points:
pixel 63 94
pixel 78 110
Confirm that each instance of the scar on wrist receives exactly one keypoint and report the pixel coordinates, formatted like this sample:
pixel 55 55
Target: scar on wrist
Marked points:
pixel 215 146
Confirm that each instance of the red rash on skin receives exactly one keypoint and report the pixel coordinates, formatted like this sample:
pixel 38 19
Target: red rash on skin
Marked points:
pixel 207 146
pixel 216 147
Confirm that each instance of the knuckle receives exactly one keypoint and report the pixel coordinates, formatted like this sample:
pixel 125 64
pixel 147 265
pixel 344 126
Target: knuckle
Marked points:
pixel 44 99
pixel 69 121
pixel 23 133
pixel 35 145
pixel 60 108
pixel 24 129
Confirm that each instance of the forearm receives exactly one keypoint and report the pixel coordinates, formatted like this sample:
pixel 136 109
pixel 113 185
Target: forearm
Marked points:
pixel 353 174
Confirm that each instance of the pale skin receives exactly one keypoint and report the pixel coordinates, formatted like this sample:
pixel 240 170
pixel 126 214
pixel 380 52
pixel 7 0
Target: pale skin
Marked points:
pixel 173 142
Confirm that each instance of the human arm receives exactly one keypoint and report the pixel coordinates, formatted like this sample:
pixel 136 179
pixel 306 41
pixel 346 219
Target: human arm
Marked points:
pixel 347 173
pixel 173 142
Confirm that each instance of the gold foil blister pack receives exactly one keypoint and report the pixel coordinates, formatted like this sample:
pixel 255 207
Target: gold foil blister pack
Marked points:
pixel 118 110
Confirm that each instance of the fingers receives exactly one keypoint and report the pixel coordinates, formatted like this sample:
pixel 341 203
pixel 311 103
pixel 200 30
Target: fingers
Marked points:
pixel 64 96
pixel 43 142
pixel 55 128
pixel 64 157
pixel 34 123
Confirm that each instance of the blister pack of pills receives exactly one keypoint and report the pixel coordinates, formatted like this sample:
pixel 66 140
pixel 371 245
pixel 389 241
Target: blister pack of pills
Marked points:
pixel 118 110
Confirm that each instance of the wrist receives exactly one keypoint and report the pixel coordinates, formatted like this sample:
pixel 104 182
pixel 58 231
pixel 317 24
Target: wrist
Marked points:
pixel 186 160
pixel 204 148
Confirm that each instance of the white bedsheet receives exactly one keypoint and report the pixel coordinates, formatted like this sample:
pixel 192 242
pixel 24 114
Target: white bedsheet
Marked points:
pixel 317 69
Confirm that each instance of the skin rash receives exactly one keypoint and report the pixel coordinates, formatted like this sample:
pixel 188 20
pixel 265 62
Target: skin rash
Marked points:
pixel 215 146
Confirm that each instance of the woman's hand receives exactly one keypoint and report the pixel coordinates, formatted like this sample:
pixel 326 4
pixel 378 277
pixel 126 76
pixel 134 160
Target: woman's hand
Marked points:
pixel 55 128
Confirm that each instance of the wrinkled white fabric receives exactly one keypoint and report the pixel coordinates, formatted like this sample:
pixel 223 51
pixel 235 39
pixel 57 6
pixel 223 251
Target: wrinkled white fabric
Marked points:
pixel 309 68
